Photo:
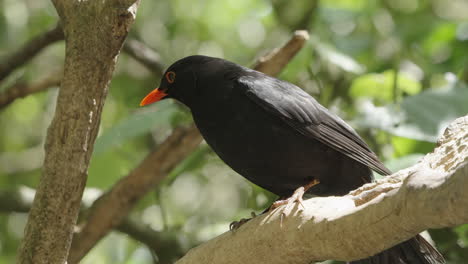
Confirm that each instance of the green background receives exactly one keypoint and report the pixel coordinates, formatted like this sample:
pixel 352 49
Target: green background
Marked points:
pixel 395 70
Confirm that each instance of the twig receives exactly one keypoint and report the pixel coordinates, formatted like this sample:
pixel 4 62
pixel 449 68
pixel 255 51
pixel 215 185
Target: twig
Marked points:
pixel 144 54
pixel 29 50
pixel 276 60
pixel 20 90
pixel 363 223
pixel 113 206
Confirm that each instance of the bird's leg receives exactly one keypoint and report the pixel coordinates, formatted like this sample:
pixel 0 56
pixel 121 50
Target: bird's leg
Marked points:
pixel 296 197
pixel 236 224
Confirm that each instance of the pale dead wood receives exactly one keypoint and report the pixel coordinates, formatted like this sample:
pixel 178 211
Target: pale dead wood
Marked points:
pixel 377 216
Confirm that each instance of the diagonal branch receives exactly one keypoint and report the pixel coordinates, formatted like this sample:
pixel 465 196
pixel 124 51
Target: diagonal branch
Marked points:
pixel 113 206
pixel 20 90
pixel 274 62
pixel 20 200
pixel 377 216
pixel 29 50
pixel 145 55
pixel 165 244
pixel 134 48
pixel 109 210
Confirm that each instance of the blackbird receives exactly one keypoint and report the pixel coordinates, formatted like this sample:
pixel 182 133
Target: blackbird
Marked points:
pixel 278 137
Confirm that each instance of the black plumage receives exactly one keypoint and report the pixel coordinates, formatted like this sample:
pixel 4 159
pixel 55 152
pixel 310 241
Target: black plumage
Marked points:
pixel 275 134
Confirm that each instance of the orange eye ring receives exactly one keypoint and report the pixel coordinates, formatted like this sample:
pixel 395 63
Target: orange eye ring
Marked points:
pixel 170 77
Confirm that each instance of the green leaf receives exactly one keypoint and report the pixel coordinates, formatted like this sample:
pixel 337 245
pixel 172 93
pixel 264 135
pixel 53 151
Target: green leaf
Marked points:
pixel 441 37
pixel 137 124
pixel 337 58
pixel 380 86
pixel 404 146
pixel 353 5
pixel 422 117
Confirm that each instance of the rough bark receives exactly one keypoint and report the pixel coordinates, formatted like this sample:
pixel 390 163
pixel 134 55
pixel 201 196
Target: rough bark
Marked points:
pixel 109 209
pixel 94 32
pixel 430 194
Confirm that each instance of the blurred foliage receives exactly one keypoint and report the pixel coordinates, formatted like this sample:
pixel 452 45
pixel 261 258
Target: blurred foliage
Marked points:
pixel 396 70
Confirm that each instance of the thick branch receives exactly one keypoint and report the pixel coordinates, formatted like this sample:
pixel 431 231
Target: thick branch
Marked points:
pixel 108 211
pixel 431 194
pixel 29 50
pixel 20 90
pixel 92 46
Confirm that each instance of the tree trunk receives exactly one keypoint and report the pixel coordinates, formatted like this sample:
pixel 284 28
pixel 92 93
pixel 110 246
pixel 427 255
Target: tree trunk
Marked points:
pixel 94 33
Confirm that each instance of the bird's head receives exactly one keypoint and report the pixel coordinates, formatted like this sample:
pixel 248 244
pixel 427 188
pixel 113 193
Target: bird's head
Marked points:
pixel 180 80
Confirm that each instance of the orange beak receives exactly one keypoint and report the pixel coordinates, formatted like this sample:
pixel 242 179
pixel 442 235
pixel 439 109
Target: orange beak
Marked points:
pixel 153 97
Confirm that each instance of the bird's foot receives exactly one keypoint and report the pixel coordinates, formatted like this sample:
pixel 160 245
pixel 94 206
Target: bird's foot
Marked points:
pixel 236 224
pixel 296 197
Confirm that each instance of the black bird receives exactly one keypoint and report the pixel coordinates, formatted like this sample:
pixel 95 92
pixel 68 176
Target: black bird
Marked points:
pixel 278 136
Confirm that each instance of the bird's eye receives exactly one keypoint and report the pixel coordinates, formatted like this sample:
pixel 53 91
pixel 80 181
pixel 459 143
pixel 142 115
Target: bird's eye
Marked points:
pixel 170 77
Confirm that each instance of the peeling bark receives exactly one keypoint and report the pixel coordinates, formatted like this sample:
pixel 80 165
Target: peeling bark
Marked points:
pixel 377 216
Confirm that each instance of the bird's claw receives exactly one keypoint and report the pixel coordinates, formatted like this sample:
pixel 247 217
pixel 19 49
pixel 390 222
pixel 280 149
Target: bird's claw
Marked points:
pixel 236 224
pixel 295 198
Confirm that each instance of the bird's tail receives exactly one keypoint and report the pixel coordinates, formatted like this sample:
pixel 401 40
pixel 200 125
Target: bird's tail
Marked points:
pixel 414 251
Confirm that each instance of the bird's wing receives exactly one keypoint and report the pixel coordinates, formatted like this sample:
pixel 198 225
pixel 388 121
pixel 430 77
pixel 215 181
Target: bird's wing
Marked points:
pixel 302 112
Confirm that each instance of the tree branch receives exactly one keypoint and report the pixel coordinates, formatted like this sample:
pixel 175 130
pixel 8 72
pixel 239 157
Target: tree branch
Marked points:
pixel 20 90
pixel 274 62
pixel 108 211
pixel 145 55
pixel 369 220
pixel 29 50
pixel 164 244
pixel 92 47
pixel 134 48
pixel 20 200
